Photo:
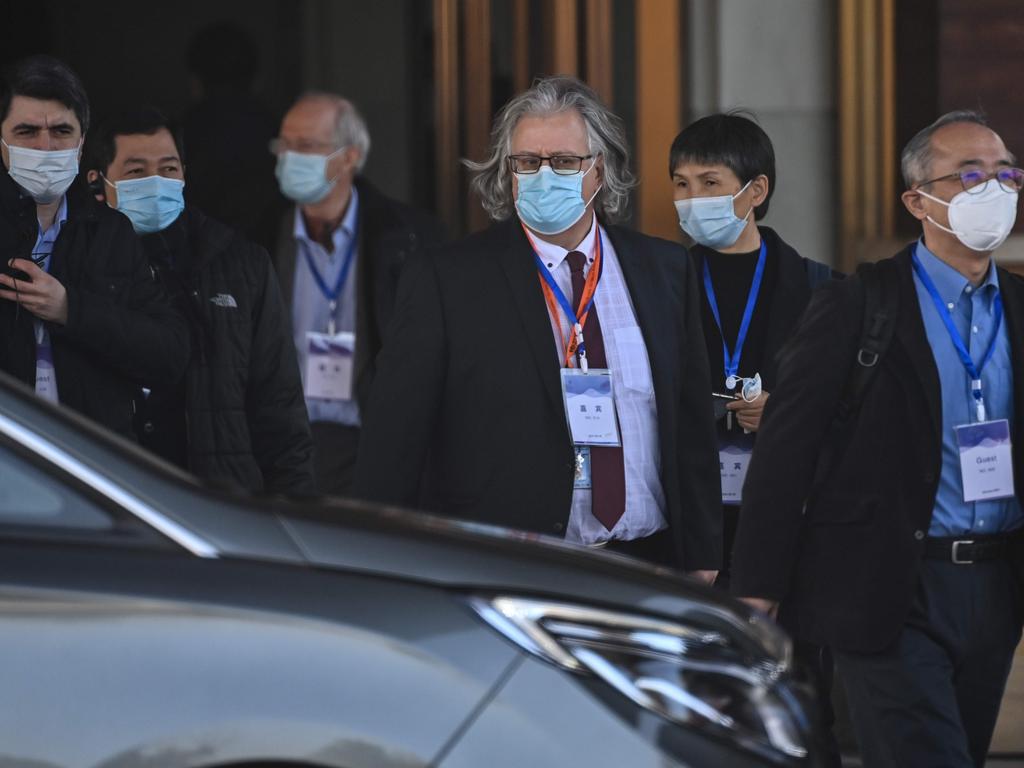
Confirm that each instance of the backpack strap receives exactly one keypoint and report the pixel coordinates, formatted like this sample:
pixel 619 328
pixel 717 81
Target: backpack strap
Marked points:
pixel 881 305
pixel 817 273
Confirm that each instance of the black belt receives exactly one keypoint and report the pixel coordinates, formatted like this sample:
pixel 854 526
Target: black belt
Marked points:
pixel 966 550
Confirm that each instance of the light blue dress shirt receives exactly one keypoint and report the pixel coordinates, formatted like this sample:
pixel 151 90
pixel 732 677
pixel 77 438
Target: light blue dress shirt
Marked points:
pixel 46 376
pixel 311 309
pixel 971 309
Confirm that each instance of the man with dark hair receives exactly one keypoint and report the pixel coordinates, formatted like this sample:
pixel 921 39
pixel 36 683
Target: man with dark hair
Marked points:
pixel 881 502
pixel 237 418
pixel 339 254
pixel 81 317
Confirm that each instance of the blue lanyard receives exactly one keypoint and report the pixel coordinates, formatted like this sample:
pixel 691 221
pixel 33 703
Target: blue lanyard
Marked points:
pixel 965 357
pixel 732 359
pixel 346 266
pixel 564 302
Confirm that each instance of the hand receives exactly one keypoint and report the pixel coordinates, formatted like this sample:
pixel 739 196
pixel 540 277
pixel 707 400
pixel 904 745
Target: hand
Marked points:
pixel 43 295
pixel 768 607
pixel 749 414
pixel 705 577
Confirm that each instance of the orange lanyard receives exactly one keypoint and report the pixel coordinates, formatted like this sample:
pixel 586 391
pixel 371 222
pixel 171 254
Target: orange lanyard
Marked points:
pixel 574 339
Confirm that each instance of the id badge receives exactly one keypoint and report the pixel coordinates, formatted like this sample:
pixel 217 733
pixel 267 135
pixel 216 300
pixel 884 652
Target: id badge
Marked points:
pixel 590 406
pixel 329 365
pixel 734 451
pixel 986 460
pixel 581 478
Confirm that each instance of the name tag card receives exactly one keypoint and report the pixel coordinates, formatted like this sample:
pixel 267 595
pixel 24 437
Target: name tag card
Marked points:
pixel 590 406
pixel 329 365
pixel 734 451
pixel 986 460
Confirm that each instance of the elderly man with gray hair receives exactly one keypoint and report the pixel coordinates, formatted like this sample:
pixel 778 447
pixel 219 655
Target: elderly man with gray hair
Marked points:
pixel 549 372
pixel 338 257
pixel 880 507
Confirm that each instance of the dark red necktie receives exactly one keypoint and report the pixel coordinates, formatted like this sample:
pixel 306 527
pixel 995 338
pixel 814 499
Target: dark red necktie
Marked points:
pixel 607 471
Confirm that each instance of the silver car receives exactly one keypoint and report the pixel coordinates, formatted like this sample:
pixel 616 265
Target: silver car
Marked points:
pixel 147 621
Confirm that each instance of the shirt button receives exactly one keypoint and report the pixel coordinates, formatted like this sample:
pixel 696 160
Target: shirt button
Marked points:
pixel 968 289
pixel 918 535
pixel 975 329
pixel 550 265
pixel 558 527
pixel 148 427
pixel 981 523
pixel 950 305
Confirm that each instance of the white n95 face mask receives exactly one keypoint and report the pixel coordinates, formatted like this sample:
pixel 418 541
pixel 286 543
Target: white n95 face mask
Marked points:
pixel 43 174
pixel 980 220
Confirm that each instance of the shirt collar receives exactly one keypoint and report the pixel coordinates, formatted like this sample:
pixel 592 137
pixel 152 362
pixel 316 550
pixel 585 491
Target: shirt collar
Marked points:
pixel 58 221
pixel 553 255
pixel 950 284
pixel 345 230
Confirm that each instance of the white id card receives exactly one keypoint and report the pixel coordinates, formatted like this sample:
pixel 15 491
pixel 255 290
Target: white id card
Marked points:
pixel 590 406
pixel 734 451
pixel 329 365
pixel 986 460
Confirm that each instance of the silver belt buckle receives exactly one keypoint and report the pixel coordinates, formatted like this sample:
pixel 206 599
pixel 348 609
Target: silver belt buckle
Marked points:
pixel 955 555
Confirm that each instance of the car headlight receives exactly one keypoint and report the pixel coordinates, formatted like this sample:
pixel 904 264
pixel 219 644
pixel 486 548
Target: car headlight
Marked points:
pixel 713 673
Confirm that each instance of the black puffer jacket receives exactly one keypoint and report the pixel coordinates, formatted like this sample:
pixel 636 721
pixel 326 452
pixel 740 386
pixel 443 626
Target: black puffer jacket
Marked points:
pixel 247 424
pixel 122 331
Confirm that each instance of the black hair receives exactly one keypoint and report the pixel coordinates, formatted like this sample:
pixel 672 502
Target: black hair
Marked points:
pixel 48 79
pixel 730 139
pixel 101 148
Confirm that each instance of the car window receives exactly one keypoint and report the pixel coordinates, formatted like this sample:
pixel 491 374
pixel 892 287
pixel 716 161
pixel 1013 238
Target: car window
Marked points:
pixel 29 496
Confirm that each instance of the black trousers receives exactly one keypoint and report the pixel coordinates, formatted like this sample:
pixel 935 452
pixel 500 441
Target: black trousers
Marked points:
pixel 932 698
pixel 335 448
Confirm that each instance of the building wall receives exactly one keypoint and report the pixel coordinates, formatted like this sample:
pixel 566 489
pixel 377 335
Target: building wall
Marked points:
pixel 776 59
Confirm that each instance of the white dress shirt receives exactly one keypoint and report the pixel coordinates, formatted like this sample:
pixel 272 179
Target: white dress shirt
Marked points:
pixel 635 406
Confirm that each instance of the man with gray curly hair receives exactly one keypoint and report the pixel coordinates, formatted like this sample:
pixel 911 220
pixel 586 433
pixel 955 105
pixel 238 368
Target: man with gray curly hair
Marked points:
pixel 552 366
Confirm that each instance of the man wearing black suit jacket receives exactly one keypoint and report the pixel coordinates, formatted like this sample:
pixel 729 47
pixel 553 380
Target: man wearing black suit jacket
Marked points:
pixel 902 550
pixel 483 361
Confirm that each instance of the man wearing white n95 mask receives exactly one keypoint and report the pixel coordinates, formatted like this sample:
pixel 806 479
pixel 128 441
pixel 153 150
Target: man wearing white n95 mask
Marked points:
pixel 338 257
pixel 81 318
pixel 549 372
pixel 236 418
pixel 881 503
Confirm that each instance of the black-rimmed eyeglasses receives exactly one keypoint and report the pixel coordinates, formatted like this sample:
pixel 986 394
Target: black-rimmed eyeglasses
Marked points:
pixel 563 165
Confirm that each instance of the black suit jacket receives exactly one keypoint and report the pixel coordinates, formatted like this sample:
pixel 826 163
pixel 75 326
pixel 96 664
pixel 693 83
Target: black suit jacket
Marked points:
pixel 848 564
pixel 470 375
pixel 389 232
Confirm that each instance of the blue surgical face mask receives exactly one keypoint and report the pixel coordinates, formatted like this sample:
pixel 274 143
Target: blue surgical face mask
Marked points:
pixel 303 177
pixel 152 204
pixel 712 221
pixel 550 203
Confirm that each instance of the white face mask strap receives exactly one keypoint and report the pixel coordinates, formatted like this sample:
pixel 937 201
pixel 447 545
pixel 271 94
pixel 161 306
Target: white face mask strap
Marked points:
pixel 744 189
pixel 932 198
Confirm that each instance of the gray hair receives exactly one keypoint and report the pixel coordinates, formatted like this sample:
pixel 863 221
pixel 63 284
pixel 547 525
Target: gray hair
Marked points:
pixel 916 158
pixel 349 127
pixel 606 136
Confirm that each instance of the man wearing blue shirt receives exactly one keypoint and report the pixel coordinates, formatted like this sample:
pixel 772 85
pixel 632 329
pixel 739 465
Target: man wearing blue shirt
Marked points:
pixel 339 254
pixel 902 550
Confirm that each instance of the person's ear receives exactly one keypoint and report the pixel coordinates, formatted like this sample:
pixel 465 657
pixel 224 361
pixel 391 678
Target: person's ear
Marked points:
pixel 759 189
pixel 913 201
pixel 96 185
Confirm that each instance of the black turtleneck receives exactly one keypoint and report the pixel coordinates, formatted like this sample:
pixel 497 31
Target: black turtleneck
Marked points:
pixel 731 276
